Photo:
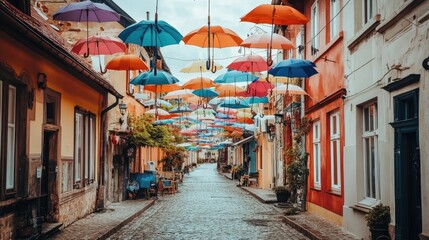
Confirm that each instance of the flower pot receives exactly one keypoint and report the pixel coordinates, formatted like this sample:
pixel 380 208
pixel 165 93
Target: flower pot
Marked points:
pixel 380 232
pixel 282 196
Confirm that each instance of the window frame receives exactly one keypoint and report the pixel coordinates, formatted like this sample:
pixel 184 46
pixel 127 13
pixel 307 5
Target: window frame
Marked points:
pixel 315 18
pixel 334 18
pixel 317 159
pixel 368 11
pixel 335 157
pixel 368 133
pixel 86 168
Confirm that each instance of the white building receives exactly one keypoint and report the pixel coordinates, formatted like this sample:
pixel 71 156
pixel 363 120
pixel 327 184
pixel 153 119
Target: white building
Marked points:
pixel 386 157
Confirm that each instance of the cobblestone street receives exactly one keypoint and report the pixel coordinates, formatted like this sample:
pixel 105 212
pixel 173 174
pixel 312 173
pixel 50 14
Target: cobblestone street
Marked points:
pixel 208 206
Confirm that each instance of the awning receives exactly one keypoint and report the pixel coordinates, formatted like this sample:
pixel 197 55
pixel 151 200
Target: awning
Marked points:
pixel 246 140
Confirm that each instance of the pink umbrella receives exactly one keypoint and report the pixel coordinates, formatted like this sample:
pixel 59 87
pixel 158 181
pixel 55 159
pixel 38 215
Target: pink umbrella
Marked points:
pixel 99 45
pixel 257 89
pixel 249 63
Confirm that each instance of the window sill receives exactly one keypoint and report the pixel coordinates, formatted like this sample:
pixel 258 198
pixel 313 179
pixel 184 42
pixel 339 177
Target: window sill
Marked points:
pixel 335 192
pixel 360 208
pixel 364 32
pixel 317 189
pixel 75 193
pixel 398 14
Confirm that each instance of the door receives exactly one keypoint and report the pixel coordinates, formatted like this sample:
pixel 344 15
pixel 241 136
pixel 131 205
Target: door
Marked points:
pixel 408 204
pixel 48 182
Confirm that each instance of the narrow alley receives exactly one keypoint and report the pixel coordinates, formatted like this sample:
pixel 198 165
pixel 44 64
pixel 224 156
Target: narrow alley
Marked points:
pixel 208 206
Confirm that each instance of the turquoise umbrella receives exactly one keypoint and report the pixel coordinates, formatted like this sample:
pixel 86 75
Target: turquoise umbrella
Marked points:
pixel 235 103
pixel 294 68
pixel 253 100
pixel 235 76
pixel 150 78
pixel 180 109
pixel 205 93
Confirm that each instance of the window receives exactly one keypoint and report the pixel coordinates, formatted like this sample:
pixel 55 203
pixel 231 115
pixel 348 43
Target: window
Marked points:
pixel 315 28
pixel 335 18
pixel 11 139
pixel 84 149
pixel 334 120
pixel 368 10
pixel 316 154
pixel 370 150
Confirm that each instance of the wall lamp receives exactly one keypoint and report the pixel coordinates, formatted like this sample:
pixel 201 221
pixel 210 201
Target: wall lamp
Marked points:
pixel 122 110
pixel 271 132
pixel 279 118
pixel 42 80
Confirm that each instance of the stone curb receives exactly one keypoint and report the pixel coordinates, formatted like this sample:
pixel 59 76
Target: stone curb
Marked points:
pixel 125 222
pixel 301 229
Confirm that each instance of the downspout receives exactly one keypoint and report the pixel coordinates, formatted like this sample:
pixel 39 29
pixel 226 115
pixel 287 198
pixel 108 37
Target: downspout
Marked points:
pixel 305 156
pixel 100 199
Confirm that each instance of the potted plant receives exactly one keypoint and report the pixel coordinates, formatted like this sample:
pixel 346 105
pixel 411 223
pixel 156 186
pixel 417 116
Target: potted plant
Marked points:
pixel 378 220
pixel 282 193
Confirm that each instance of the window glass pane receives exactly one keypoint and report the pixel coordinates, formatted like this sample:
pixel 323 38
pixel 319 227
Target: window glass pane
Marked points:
pixel 1 109
pixel 317 162
pixel 11 139
pixel 372 152
pixel 92 148
pixel 335 161
pixel 366 119
pixel 79 139
pixel 367 167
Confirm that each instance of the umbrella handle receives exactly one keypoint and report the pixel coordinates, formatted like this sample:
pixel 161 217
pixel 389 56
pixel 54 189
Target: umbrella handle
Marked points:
pixel 208 63
pixel 85 55
pixel 269 61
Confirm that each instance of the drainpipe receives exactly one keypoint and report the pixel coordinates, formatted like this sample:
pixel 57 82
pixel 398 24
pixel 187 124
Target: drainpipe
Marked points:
pixel 100 200
pixel 303 153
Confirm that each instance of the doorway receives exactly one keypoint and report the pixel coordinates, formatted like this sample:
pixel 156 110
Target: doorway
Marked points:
pixel 48 183
pixel 408 204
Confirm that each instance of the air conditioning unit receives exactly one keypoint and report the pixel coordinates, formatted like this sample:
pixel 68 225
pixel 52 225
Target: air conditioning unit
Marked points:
pixel 150 166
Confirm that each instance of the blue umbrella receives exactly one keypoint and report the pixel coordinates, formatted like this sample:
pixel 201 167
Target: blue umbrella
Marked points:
pixel 205 93
pixel 164 122
pixel 180 109
pixel 151 33
pixel 235 103
pixel 253 100
pixel 235 76
pixel 294 68
pixel 150 78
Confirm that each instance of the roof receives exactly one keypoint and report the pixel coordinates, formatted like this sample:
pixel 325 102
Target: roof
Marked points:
pixel 41 34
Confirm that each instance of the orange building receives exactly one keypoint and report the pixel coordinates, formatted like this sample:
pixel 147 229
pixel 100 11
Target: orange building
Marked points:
pixel 52 111
pixel 325 47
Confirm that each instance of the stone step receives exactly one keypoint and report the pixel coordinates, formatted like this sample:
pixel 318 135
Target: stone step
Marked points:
pixel 49 229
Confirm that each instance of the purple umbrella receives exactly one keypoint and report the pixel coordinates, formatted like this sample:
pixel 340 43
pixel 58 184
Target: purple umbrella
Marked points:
pixel 86 11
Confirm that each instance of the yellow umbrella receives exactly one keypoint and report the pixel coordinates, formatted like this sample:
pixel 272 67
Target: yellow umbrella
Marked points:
pixel 199 66
pixel 228 90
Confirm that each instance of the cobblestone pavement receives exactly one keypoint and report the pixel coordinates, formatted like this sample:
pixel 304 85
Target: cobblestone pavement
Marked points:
pixel 208 206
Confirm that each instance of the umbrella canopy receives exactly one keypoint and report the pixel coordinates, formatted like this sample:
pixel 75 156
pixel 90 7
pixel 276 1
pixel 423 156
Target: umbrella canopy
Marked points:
pixel 228 90
pixel 180 109
pixel 249 63
pixel 275 14
pixel 205 93
pixel 235 103
pixel 157 111
pixel 266 41
pixel 195 106
pixel 199 83
pixel 151 33
pixel 86 11
pixel 275 79
pixel 178 94
pixel 235 76
pixel 220 37
pixel 194 99
pixel 255 100
pixel 203 112
pixel 289 89
pixel 149 78
pixel 293 68
pixel 99 45
pixel 164 122
pixel 163 88
pixel 257 89
pixel 159 102
pixel 199 66
pixel 127 62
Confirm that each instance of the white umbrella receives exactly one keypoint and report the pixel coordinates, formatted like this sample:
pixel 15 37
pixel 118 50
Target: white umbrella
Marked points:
pixel 199 66
pixel 289 89
pixel 158 111
pixel 183 93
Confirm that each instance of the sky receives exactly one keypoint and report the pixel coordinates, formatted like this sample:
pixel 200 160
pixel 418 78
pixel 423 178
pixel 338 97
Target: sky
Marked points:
pixel 188 15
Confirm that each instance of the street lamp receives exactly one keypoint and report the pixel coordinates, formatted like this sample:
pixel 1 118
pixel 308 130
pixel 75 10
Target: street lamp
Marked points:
pixel 122 110
pixel 271 133
pixel 279 118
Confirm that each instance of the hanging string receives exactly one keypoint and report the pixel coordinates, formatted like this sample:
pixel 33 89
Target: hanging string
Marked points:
pixel 208 37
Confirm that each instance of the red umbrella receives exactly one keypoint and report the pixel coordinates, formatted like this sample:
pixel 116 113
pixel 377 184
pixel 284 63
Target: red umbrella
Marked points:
pixel 99 45
pixel 249 63
pixel 257 89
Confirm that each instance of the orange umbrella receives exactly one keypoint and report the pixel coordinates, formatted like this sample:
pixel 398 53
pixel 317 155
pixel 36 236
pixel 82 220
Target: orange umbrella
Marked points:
pixel 194 100
pixel 212 37
pixel 221 37
pixel 127 62
pixel 199 83
pixel 275 14
pixel 163 88
pixel 245 120
pixel 228 90
pixel 265 41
